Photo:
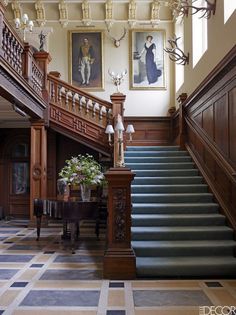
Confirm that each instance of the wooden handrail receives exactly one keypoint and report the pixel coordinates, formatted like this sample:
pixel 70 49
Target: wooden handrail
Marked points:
pixel 228 169
pixel 74 89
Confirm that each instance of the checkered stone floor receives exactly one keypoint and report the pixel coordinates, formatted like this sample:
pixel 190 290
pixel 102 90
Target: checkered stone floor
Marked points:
pixel 44 277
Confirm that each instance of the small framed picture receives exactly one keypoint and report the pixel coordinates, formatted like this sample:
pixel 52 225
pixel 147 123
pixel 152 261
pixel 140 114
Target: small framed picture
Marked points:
pixel 86 59
pixel 147 68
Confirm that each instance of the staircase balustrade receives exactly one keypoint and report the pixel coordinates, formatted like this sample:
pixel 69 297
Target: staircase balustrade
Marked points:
pixel 19 55
pixel 78 102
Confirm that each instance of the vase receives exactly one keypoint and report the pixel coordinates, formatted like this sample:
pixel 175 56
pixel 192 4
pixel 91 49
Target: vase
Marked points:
pixel 85 192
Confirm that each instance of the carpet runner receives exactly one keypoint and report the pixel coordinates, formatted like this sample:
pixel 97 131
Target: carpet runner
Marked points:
pixel 177 229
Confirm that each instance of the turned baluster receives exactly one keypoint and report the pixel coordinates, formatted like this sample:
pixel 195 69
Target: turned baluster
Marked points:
pixel 94 109
pixel 86 106
pixel 80 103
pixel 73 101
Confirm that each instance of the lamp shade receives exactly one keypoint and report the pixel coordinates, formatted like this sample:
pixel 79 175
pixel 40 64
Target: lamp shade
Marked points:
pixel 119 126
pixel 130 129
pixel 109 129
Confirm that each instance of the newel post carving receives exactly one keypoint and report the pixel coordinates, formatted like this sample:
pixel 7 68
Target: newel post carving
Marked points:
pixel 119 260
pixel 38 164
pixel 117 100
pixel 182 124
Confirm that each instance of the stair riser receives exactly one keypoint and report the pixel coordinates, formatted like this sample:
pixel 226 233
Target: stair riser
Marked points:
pixel 187 271
pixel 139 159
pixel 179 222
pixel 160 166
pixel 167 181
pixel 181 235
pixel 148 148
pixel 172 198
pixel 175 210
pixel 171 189
pixel 183 251
pixel 163 173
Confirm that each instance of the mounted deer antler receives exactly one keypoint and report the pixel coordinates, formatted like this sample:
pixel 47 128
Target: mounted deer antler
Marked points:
pixel 175 53
pixel 116 42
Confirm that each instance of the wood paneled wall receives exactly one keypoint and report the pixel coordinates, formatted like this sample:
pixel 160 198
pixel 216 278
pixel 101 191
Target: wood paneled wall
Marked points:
pixel 150 130
pixel 210 117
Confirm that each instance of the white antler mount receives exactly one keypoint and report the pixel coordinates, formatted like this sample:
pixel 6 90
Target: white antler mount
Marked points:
pixel 115 41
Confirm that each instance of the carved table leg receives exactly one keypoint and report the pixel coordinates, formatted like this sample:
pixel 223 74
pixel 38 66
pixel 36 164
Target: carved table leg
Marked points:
pixel 73 236
pixel 38 223
pixel 97 228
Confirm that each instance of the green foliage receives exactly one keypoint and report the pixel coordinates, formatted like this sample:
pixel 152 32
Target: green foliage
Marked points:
pixel 82 169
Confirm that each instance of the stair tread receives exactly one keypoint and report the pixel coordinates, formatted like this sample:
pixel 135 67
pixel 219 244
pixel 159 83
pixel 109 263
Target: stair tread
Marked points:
pixel 174 205
pixel 172 194
pixel 182 243
pixel 181 228
pixel 187 260
pixel 179 185
pixel 174 216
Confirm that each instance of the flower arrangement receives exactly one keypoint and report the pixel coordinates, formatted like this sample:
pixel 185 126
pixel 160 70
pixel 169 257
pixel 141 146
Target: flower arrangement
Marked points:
pixel 82 169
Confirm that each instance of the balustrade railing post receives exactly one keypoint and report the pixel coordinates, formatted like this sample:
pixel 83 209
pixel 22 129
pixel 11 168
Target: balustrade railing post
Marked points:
pixel 43 59
pixel 27 62
pixel 119 259
pixel 182 124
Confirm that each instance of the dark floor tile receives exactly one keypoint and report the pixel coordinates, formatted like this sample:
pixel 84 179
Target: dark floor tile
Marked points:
pixel 19 284
pixel 2 311
pixel 7 274
pixel 26 247
pixel 49 252
pixel 116 312
pixel 170 298
pixel 20 235
pixel 36 265
pixel 63 274
pixel 116 285
pixel 7 231
pixel 8 242
pixel 2 238
pixel 16 258
pixel 61 298
pixel 77 259
pixel 213 284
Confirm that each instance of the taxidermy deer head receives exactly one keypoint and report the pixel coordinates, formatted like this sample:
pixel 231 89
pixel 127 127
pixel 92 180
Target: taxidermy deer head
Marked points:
pixel 116 42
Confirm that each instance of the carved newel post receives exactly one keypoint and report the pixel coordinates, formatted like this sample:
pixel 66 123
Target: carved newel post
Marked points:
pixel 119 259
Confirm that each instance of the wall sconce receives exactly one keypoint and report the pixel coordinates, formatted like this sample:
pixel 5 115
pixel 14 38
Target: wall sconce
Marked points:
pixel 117 79
pixel 119 128
pixel 175 53
pixel 207 10
pixel 25 24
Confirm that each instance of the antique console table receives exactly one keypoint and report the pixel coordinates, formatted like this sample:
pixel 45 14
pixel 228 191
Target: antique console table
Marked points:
pixel 71 212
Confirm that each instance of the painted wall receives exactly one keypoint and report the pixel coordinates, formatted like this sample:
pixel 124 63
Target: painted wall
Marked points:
pixel 138 102
pixel 221 38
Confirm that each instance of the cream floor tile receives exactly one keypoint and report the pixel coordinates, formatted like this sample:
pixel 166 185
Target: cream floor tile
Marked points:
pixel 2 283
pixel 224 297
pixel 43 258
pixel 232 283
pixel 8 296
pixel 3 246
pixel 116 298
pixel 47 284
pixel 12 265
pixel 28 275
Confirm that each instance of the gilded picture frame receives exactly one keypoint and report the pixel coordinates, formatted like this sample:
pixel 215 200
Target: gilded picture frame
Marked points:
pixel 147 60
pixel 86 59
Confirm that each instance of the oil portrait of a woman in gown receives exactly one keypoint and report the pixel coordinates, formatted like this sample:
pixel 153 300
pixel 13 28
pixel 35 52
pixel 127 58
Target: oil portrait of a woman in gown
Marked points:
pixel 147 66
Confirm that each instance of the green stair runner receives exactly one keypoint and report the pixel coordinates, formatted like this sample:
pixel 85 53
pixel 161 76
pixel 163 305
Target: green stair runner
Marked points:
pixel 177 229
